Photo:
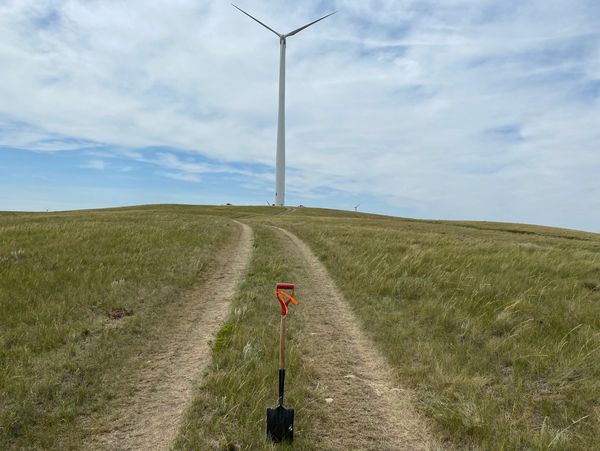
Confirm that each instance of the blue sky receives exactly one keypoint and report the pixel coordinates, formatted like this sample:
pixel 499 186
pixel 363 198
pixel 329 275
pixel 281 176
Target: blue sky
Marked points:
pixel 453 109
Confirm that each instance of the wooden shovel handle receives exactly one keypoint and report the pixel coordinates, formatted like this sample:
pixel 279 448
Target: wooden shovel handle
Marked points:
pixel 282 344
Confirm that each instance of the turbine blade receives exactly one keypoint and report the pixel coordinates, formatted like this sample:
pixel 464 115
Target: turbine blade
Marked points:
pixel 254 18
pixel 298 30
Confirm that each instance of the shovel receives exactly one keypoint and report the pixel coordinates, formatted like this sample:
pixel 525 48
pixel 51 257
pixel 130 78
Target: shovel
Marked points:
pixel 280 421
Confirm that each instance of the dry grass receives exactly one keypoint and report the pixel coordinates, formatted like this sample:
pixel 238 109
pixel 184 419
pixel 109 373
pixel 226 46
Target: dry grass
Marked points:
pixel 496 326
pixel 80 294
pixel 497 329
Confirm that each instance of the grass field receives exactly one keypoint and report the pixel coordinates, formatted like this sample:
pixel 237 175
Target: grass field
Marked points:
pixel 496 326
pixel 80 294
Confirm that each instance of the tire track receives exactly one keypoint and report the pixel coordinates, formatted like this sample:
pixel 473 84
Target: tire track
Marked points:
pixel 365 408
pixel 152 415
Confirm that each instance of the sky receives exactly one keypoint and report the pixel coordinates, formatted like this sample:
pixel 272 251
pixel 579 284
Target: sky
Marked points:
pixel 440 109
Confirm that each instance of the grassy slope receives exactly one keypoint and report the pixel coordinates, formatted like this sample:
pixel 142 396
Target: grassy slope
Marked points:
pixel 496 325
pixel 61 357
pixel 498 329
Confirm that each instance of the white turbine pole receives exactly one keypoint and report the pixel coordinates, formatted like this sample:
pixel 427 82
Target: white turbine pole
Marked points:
pixel 280 156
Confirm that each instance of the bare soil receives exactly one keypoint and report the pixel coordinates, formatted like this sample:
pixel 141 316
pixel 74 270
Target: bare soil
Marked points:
pixel 364 405
pixel 151 416
pixel 119 312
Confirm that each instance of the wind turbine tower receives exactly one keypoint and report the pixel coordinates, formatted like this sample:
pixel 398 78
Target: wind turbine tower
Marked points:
pixel 280 158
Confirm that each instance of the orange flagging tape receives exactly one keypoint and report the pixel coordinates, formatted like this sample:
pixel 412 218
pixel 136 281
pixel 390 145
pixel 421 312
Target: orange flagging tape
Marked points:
pixel 283 302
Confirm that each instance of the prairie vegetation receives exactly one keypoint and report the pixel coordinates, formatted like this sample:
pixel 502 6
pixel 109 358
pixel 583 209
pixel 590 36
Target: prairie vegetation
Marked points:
pixel 496 325
pixel 81 294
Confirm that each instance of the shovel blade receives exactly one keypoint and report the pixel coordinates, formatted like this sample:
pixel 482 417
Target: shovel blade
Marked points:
pixel 280 424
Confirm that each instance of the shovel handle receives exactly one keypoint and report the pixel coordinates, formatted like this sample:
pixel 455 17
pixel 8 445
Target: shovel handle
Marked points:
pixel 285 286
pixel 284 299
pixel 282 344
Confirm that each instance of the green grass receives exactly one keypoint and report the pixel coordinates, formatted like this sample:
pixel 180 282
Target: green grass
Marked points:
pixel 61 275
pixel 497 326
pixel 229 409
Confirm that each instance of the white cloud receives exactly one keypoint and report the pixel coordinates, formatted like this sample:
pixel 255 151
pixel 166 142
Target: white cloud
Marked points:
pixel 392 99
pixel 184 176
pixel 94 164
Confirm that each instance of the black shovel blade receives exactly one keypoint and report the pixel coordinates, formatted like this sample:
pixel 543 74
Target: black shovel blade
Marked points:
pixel 280 424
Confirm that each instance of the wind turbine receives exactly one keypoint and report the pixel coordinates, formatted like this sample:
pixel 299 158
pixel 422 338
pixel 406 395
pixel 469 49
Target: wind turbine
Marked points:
pixel 280 158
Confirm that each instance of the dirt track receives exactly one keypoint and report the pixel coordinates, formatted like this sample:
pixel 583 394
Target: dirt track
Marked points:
pixel 150 417
pixel 365 409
